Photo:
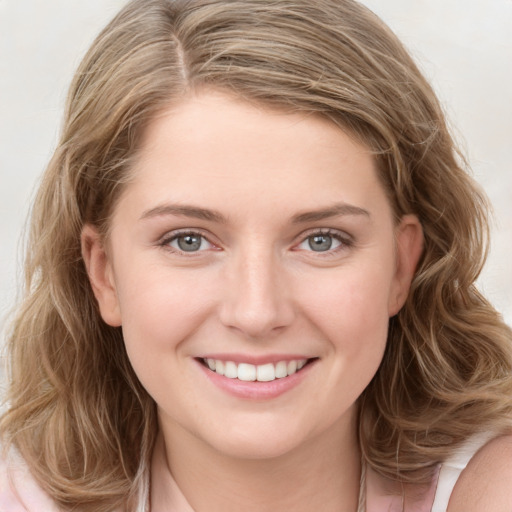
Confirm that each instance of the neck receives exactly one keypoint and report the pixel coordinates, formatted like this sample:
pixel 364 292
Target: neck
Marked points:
pixel 322 474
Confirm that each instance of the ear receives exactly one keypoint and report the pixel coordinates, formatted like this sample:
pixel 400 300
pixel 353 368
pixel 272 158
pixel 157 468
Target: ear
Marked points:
pixel 101 276
pixel 409 247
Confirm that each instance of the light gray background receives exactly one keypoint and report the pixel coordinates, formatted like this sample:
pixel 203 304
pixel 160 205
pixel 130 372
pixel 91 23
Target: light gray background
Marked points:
pixel 464 47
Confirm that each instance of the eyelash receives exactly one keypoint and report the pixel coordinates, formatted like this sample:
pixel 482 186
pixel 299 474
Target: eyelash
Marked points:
pixel 344 240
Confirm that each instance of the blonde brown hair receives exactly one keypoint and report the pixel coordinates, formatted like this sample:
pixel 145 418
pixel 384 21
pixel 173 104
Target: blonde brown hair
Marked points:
pixel 77 413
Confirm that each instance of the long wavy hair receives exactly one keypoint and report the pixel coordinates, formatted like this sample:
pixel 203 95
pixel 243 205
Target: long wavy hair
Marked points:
pixel 76 411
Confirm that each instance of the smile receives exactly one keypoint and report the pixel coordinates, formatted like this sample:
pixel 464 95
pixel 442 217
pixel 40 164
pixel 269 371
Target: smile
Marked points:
pixel 251 372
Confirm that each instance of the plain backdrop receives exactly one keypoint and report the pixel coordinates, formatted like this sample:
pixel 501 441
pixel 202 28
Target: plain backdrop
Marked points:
pixel 464 48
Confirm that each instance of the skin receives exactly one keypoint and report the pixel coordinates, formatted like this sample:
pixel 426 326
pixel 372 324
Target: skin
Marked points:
pixel 256 289
pixel 493 492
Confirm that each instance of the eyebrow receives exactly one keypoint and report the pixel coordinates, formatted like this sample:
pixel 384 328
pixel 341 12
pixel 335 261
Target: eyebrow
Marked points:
pixel 186 211
pixel 197 212
pixel 339 209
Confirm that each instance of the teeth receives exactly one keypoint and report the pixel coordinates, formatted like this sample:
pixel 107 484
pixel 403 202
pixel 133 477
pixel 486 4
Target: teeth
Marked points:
pixel 250 372
pixel 246 372
pixel 281 369
pixel 292 367
pixel 219 367
pixel 230 370
pixel 266 372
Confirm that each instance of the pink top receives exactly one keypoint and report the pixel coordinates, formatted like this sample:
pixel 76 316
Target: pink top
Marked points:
pixel 18 490
pixel 20 493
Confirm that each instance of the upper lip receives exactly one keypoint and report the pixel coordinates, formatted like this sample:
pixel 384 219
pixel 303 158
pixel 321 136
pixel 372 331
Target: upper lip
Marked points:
pixel 254 359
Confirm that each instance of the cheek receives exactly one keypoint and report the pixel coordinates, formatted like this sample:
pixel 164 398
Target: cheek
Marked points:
pixel 349 313
pixel 159 309
pixel 351 308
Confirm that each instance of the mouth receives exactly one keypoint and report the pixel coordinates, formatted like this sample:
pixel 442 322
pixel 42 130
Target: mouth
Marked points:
pixel 247 372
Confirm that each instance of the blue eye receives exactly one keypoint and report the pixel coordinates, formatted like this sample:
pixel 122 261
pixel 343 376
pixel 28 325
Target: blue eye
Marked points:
pixel 189 242
pixel 322 242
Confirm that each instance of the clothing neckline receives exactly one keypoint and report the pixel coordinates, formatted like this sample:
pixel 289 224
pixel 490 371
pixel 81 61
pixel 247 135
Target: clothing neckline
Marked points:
pixel 375 493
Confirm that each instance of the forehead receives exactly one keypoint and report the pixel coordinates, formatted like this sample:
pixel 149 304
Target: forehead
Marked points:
pixel 212 147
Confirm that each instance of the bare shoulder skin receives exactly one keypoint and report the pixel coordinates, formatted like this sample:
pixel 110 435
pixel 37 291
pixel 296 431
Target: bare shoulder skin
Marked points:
pixel 486 483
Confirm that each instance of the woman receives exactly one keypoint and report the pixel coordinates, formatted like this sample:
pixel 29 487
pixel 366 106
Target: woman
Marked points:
pixel 251 279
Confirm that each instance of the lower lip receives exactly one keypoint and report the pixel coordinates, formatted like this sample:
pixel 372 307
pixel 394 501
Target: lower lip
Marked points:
pixel 255 390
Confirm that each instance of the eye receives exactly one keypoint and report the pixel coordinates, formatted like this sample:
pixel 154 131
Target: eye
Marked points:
pixel 188 242
pixel 323 242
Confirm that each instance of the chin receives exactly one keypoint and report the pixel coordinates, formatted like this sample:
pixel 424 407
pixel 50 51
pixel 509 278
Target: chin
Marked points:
pixel 257 443
pixel 253 449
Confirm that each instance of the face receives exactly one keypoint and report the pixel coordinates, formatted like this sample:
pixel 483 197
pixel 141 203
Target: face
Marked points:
pixel 253 265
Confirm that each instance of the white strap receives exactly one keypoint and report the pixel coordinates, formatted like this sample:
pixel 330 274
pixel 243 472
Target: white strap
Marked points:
pixel 453 467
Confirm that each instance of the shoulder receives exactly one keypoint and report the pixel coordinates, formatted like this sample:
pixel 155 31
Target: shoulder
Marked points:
pixel 18 490
pixel 485 484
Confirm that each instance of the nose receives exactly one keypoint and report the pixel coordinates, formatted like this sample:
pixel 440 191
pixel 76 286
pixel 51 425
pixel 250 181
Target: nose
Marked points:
pixel 256 301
